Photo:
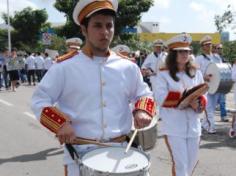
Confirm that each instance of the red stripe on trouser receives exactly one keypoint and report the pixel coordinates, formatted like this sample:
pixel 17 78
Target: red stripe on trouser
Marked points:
pixel 171 154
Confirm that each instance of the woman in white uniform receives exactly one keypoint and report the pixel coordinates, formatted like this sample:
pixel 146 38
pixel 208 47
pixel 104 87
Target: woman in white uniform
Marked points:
pixel 180 127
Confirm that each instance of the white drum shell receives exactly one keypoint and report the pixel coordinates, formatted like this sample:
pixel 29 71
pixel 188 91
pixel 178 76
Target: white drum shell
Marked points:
pixel 147 136
pixel 221 81
pixel 86 170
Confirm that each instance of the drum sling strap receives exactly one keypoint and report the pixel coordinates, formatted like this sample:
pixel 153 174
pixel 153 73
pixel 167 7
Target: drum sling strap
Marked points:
pixel 73 153
pixel 205 56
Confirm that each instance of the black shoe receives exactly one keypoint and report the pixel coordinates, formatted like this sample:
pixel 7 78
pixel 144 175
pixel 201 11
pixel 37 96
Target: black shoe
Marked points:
pixel 225 120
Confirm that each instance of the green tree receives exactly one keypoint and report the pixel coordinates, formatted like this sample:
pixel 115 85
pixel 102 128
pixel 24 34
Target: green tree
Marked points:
pixel 58 43
pixel 27 25
pixel 3 39
pixel 223 21
pixel 229 51
pixel 129 14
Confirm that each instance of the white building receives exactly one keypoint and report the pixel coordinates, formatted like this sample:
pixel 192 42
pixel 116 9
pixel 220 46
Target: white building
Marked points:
pixel 148 27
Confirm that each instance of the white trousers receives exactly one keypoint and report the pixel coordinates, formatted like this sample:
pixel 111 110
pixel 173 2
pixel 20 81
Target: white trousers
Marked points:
pixel 73 169
pixel 209 121
pixel 184 154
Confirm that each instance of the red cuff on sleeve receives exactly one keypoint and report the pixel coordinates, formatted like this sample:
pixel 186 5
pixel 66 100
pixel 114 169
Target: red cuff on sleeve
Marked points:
pixel 203 101
pixel 146 104
pixel 53 119
pixel 172 99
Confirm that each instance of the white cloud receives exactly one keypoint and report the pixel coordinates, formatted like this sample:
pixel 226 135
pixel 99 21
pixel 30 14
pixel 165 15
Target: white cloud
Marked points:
pixel 162 3
pixel 196 6
pixel 222 4
pixel 14 5
pixel 165 20
pixel 203 13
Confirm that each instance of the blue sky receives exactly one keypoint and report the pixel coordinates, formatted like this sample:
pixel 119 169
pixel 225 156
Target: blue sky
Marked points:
pixel 173 15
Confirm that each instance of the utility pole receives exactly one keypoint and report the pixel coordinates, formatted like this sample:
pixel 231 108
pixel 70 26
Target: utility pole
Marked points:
pixel 8 27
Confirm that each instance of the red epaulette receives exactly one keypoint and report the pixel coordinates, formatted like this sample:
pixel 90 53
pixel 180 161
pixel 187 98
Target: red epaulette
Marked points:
pixel 66 56
pixel 122 56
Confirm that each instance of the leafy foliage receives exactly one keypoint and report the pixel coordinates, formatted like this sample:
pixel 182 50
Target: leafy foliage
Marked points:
pixel 3 39
pixel 27 25
pixel 223 21
pixel 229 51
pixel 129 14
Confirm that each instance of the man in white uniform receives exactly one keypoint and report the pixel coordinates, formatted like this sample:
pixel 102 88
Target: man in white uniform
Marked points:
pixel 203 61
pixel 154 61
pixel 93 88
pixel 73 43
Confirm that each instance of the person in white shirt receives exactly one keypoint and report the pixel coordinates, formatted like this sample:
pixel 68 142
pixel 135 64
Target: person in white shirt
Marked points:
pixel 39 66
pixel 92 88
pixel 154 61
pixel 48 62
pixel 13 69
pixel 30 68
pixel 181 127
pixel 203 61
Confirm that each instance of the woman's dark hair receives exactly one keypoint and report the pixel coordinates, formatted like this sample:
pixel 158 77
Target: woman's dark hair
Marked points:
pixel 105 12
pixel 172 66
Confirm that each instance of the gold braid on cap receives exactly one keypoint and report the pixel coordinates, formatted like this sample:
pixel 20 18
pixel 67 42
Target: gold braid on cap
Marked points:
pixel 177 45
pixel 93 6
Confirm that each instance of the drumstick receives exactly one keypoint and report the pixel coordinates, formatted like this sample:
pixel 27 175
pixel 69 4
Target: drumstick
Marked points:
pixel 131 141
pixel 85 141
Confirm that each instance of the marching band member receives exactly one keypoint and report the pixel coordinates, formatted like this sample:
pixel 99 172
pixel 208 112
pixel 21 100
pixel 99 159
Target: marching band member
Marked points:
pixel 73 44
pixel 203 61
pixel 154 61
pixel 93 88
pixel 124 51
pixel 180 127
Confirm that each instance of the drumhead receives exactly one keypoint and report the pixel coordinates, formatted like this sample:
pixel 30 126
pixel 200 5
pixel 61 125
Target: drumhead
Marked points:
pixel 215 79
pixel 115 160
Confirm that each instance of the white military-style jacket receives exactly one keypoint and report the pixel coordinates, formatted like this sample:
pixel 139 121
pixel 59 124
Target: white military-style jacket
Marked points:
pixel 154 62
pixel 95 93
pixel 203 61
pixel 175 122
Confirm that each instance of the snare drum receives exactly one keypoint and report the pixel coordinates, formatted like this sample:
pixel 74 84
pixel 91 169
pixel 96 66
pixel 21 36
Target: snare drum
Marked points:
pixel 113 161
pixel 146 137
pixel 221 81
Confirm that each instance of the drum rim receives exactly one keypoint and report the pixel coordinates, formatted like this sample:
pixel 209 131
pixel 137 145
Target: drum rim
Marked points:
pixel 82 165
pixel 210 91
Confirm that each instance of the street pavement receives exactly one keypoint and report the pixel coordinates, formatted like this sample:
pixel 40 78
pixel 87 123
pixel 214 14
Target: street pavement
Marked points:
pixel 28 149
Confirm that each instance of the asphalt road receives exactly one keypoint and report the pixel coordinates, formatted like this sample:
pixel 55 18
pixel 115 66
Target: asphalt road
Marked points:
pixel 27 149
